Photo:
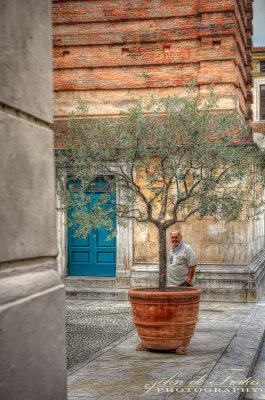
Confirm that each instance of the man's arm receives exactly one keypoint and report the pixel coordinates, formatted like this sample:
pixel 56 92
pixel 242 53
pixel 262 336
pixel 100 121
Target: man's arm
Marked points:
pixel 191 274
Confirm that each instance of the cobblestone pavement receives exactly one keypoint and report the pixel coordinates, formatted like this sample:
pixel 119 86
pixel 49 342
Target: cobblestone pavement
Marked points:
pixel 91 325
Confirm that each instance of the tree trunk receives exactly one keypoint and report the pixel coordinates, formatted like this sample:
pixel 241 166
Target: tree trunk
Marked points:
pixel 162 260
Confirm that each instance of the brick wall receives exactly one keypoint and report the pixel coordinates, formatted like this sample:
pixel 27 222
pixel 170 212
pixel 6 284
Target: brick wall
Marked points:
pixel 110 52
pixel 259 127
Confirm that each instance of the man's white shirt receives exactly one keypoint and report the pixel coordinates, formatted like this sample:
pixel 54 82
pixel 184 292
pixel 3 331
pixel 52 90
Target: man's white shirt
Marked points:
pixel 178 264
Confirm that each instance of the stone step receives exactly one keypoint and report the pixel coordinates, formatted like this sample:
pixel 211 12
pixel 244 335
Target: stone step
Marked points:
pixel 75 293
pixel 221 283
pixel 96 282
pixel 229 295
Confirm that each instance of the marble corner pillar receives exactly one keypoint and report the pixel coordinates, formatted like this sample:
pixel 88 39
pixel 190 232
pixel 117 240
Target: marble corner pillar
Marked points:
pixel 32 326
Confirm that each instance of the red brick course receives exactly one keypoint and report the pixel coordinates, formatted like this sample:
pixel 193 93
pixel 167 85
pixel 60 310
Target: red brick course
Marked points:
pixel 65 12
pixel 258 49
pixel 144 31
pixel 125 77
pixel 259 127
pixel 165 52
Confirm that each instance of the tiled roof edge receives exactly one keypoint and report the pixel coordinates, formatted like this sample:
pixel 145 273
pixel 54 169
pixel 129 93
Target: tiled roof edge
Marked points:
pixel 258 49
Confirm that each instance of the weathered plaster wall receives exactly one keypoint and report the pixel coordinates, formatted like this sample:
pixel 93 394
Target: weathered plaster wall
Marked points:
pixel 233 243
pixel 213 243
pixel 32 328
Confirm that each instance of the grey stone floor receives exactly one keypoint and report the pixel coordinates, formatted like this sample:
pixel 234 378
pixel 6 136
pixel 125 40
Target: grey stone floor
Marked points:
pixel 226 337
pixel 92 325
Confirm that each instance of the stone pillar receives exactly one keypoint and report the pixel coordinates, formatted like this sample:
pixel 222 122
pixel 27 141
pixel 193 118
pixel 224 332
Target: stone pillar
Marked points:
pixel 32 331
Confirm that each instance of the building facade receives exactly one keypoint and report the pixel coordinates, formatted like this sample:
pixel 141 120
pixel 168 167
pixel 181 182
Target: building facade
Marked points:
pixel 111 52
pixel 258 107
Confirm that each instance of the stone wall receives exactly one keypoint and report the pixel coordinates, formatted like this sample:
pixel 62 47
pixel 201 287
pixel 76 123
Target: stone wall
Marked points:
pixel 219 243
pixel 230 258
pixel 212 242
pixel 32 329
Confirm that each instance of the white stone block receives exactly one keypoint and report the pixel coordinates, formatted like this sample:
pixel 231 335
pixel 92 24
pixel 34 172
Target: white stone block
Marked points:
pixel 26 60
pixel 27 194
pixel 32 352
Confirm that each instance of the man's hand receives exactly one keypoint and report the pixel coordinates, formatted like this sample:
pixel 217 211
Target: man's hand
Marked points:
pixel 191 275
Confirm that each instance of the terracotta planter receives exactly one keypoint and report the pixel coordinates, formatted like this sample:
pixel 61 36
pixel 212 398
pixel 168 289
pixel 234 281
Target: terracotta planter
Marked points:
pixel 165 320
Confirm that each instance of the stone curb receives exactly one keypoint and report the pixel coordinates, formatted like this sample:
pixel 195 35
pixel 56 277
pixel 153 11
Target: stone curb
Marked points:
pixel 241 354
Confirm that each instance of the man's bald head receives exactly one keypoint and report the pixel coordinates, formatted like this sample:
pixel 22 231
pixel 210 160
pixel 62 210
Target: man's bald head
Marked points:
pixel 176 231
pixel 176 238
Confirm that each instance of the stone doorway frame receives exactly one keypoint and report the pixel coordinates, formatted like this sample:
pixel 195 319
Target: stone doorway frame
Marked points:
pixel 124 241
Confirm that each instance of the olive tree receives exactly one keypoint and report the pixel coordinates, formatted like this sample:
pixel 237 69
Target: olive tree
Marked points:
pixel 171 159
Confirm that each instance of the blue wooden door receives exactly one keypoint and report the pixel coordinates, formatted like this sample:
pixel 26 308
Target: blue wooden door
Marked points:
pixel 92 256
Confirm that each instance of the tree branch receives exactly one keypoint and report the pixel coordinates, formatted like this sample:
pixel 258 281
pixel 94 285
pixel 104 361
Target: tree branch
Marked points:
pixel 164 202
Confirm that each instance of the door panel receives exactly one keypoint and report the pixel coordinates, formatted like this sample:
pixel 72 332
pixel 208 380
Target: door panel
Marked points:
pixel 92 256
pixel 80 257
pixel 105 257
pixel 79 242
pixel 101 239
pixel 105 254
pixel 80 261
